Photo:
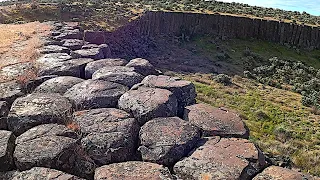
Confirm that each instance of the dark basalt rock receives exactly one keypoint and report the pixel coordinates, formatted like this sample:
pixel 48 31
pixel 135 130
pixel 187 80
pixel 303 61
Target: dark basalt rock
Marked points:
pixel 52 146
pixel 4 110
pixel 58 85
pixel 96 65
pixel 133 170
pixel 54 49
pixel 216 121
pixel 95 94
pixel 9 91
pixel 69 33
pixel 184 90
pixel 148 103
pixel 95 37
pixel 33 83
pixel 118 74
pixel 44 173
pixel 167 140
pixel 6 150
pixel 93 53
pixel 143 66
pixel 35 109
pixel 222 159
pixel 73 44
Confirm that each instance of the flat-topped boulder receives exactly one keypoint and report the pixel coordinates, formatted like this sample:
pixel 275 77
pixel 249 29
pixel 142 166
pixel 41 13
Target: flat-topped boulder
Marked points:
pixel 52 146
pixel 15 71
pixel 38 108
pixel 73 44
pixel 95 94
pixel 280 173
pixel 184 90
pixel 136 170
pixel 167 140
pixel 118 74
pixel 9 91
pixel 6 150
pixel 72 67
pixel 222 159
pixel 53 58
pixel 148 103
pixel 93 53
pixel 142 66
pixel 109 135
pixel 70 33
pixel 216 121
pixel 96 65
pixel 44 173
pixel 58 85
pixel 54 49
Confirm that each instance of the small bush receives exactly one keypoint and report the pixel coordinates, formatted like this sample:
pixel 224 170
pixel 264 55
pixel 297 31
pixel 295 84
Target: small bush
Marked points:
pixel 223 79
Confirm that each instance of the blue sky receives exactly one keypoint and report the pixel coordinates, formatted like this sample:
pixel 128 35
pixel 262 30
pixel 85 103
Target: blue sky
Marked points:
pixel 309 6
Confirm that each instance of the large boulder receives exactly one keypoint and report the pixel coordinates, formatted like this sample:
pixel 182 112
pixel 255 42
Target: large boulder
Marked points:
pixel 35 109
pixel 133 170
pixel 73 44
pixel 96 65
pixel 216 121
pixel 167 140
pixel 4 110
pixel 6 150
pixel 73 67
pixel 143 66
pixel 54 49
pixel 9 91
pixel 95 94
pixel 58 85
pixel 184 90
pixel 18 71
pixel 222 159
pixel 109 135
pixel 53 58
pixel 33 83
pixel 118 74
pixel 43 173
pixel 93 53
pixel 52 146
pixel 148 103
pixel 69 33
pixel 280 173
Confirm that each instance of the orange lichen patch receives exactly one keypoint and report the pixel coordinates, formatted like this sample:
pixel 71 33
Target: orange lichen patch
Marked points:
pixel 73 126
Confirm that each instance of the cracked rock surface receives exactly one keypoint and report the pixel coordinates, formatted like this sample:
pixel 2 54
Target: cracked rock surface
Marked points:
pixel 96 65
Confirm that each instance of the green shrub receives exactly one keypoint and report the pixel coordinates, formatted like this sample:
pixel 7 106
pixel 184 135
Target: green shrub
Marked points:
pixel 223 79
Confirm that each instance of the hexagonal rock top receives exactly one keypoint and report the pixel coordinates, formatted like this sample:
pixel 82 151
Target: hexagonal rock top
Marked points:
pixel 118 74
pixel 6 150
pixel 225 159
pixel 52 146
pixel 96 65
pixel 58 85
pixel 184 90
pixel 133 170
pixel 44 173
pixel 109 135
pixel 167 140
pixel 35 109
pixel 142 66
pixel 95 94
pixel 54 57
pixel 54 49
pixel 216 121
pixel 94 53
pixel 9 91
pixel 280 173
pixel 148 103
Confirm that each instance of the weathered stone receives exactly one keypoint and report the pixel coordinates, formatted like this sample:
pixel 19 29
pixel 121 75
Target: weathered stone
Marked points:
pixel 33 83
pixel 6 150
pixel 4 110
pixel 69 33
pixel 53 58
pixel 148 103
pixel 96 65
pixel 35 109
pixel 222 159
pixel 9 91
pixel 184 90
pixel 52 146
pixel 93 53
pixel 133 170
pixel 54 49
pixel 73 44
pixel 280 173
pixel 167 140
pixel 55 33
pixel 95 94
pixel 58 85
pixel 142 66
pixel 90 46
pixel 216 121
pixel 43 173
pixel 106 50
pixel 18 71
pixel 73 67
pixel 118 74
pixel 110 135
